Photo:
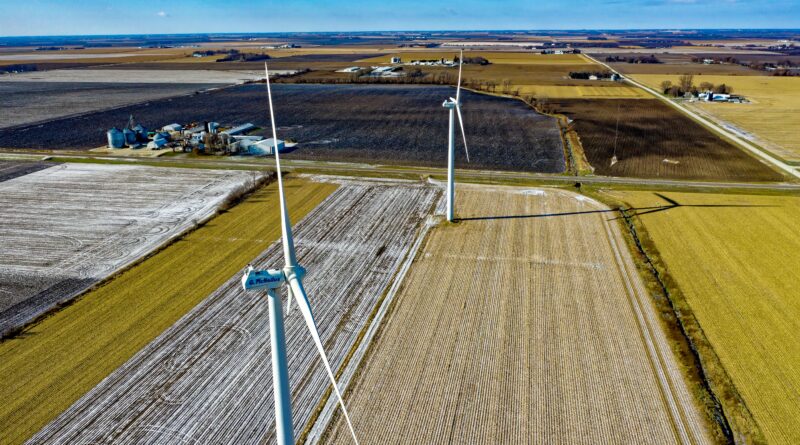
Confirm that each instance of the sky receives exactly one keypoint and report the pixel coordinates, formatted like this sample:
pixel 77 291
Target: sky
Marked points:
pixel 83 17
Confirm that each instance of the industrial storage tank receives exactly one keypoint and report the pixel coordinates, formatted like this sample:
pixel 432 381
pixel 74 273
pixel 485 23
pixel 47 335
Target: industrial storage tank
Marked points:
pixel 115 138
pixel 130 136
pixel 141 132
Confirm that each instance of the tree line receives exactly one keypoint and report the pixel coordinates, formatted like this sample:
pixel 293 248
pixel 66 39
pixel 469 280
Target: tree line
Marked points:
pixel 686 85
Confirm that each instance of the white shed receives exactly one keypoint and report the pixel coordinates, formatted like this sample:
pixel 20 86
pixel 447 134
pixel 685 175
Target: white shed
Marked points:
pixel 264 147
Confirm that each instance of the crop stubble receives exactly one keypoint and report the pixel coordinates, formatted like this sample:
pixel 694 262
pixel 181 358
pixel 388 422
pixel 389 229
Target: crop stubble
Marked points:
pixel 66 227
pixel 735 258
pixel 207 379
pixel 351 123
pixel 656 141
pixel 67 354
pixel 530 326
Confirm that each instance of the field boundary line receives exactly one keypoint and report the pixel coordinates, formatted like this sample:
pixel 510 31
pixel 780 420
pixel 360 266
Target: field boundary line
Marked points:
pixel 734 417
pixel 710 125
pixel 654 352
pixel 320 424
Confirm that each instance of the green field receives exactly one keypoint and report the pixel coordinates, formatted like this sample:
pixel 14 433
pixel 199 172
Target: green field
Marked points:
pixel 735 259
pixel 55 362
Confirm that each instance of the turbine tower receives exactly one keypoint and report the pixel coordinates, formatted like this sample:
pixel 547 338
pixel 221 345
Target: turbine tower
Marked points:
pixel 272 279
pixel 454 105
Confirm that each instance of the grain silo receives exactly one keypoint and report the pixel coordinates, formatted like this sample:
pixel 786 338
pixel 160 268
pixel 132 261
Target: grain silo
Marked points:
pixel 130 136
pixel 115 138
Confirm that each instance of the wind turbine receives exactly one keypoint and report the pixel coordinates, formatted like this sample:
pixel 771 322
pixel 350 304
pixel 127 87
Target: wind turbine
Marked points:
pixel 272 279
pixel 454 105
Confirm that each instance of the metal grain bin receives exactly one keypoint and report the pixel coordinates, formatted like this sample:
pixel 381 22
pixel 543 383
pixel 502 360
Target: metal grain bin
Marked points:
pixel 115 138
pixel 130 136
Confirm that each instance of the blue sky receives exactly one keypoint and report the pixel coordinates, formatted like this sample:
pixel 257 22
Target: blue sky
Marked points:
pixel 50 17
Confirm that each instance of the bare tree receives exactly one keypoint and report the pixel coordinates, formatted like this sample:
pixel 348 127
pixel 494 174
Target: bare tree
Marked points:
pixel 686 82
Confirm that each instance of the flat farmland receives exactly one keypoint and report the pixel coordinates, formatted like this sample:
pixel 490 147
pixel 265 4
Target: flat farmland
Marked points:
pixel 58 360
pixel 591 90
pixel 531 73
pixel 771 119
pixel 353 123
pixel 525 322
pixel 64 228
pixel 496 57
pixel 656 141
pixel 24 103
pixel 681 64
pixel 14 169
pixel 207 379
pixel 735 260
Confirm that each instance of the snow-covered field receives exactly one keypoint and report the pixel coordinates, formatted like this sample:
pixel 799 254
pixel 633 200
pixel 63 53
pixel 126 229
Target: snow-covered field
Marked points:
pixel 208 379
pixel 64 228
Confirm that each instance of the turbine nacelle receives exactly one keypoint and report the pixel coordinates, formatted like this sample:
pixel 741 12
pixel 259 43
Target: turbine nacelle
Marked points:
pixel 262 279
pixel 271 278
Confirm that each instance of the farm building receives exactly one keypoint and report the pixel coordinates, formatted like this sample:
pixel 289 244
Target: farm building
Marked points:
pixel 395 60
pixel 241 129
pixel 264 147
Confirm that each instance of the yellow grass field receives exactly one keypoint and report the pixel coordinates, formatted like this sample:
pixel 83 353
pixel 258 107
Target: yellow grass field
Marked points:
pixel 736 260
pixel 525 322
pixel 773 116
pixel 57 361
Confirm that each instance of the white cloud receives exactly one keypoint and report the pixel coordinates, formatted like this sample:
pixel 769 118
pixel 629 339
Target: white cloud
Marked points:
pixel 162 14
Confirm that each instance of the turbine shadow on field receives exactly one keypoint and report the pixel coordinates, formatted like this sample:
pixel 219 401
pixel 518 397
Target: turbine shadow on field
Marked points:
pixel 638 211
pixel 539 215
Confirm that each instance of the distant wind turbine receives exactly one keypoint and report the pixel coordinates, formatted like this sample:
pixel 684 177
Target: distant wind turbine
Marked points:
pixel 272 279
pixel 454 105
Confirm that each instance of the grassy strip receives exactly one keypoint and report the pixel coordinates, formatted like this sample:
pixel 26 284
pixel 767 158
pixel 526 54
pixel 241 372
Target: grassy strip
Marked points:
pixel 53 363
pixel 711 384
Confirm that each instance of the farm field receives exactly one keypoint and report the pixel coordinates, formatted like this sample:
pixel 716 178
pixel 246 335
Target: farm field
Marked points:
pixel 525 322
pixel 67 227
pixel 682 64
pixel 133 73
pixel 207 379
pixel 530 73
pixel 496 57
pixel 656 141
pixel 390 124
pixel 772 117
pixel 14 169
pixel 24 103
pixel 735 260
pixel 584 91
pixel 68 353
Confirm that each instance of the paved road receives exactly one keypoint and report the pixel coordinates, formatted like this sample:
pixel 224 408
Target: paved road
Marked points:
pixel 780 165
pixel 358 169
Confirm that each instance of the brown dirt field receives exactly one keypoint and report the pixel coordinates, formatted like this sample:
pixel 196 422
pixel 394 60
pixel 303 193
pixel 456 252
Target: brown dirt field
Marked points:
pixel 656 141
pixel 684 68
pixel 526 322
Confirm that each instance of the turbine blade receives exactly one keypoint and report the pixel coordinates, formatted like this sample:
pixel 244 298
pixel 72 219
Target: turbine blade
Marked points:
pixel 286 225
pixel 305 308
pixel 289 297
pixel 458 88
pixel 463 133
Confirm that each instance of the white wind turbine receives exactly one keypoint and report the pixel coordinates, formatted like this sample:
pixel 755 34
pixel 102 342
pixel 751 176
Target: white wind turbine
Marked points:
pixel 272 279
pixel 454 105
